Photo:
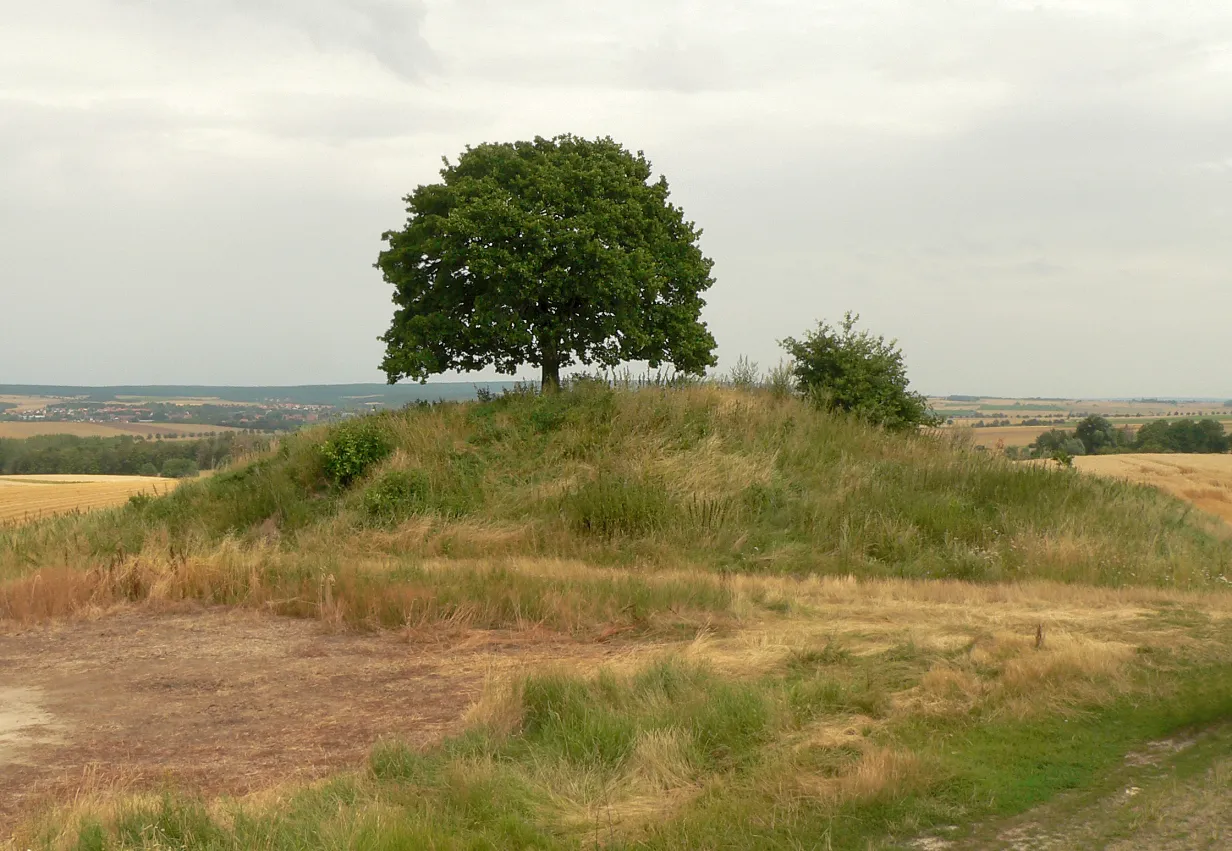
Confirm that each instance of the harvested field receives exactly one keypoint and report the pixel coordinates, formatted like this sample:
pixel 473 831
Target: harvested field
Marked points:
pixel 23 404
pixel 1204 480
pixel 21 430
pixel 24 498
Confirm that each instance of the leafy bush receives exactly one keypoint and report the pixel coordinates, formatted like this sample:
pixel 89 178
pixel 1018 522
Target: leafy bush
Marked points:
pixel 352 449
pixel 179 468
pixel 854 372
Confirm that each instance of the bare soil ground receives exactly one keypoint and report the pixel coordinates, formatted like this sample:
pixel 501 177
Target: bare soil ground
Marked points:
pixel 225 702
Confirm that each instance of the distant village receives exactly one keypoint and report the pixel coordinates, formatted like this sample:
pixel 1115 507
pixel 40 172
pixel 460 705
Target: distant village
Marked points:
pixel 273 416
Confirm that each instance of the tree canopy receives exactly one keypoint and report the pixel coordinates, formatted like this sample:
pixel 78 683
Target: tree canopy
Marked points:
pixel 551 253
pixel 1099 435
pixel 853 371
pixel 1095 435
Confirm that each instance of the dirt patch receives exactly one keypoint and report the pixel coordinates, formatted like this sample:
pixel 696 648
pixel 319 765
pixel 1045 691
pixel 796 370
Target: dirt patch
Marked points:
pixel 225 702
pixel 23 723
pixel 1173 795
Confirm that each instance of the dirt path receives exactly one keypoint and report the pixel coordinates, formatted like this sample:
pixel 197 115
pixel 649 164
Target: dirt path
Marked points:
pixel 221 701
pixel 1174 795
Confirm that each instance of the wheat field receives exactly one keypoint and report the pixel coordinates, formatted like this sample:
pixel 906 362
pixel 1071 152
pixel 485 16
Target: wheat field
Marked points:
pixel 1204 480
pixel 21 430
pixel 25 498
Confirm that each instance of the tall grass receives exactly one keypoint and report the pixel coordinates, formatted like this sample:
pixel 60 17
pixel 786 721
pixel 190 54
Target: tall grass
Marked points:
pixel 703 477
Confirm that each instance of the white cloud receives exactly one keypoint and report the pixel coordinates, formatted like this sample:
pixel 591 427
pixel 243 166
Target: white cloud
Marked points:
pixel 993 183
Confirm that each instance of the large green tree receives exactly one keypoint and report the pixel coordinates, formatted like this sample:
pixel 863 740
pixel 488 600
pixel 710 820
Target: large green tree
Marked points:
pixel 549 253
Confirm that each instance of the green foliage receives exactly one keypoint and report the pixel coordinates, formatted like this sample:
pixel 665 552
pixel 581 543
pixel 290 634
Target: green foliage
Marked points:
pixel 854 372
pixel 780 380
pixel 1204 436
pixel 179 468
pixel 551 252
pixel 1096 435
pixel 352 449
pixel 114 456
pixel 1073 447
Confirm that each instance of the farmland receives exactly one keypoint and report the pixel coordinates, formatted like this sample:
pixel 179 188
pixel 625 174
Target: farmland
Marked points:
pixel 1010 422
pixel 170 431
pixel 1204 480
pixel 24 498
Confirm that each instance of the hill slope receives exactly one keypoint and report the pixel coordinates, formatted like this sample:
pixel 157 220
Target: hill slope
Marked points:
pixel 816 634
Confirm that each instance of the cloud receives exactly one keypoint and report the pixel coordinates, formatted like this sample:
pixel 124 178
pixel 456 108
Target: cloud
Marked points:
pixel 388 31
pixel 990 182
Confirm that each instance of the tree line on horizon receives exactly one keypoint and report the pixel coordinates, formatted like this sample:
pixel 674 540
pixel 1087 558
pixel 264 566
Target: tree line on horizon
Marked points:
pixel 65 454
pixel 1096 435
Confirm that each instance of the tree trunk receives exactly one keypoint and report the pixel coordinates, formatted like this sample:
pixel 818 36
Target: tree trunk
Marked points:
pixel 551 377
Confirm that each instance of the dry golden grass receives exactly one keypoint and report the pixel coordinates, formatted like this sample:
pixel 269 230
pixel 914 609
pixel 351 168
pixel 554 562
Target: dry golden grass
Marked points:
pixel 977 646
pixel 1204 480
pixel 21 430
pixel 24 498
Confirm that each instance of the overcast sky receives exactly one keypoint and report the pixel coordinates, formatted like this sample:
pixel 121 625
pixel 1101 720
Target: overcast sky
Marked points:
pixel 1035 198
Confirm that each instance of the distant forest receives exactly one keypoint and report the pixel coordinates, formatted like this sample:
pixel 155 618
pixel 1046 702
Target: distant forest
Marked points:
pixel 117 456
pixel 337 395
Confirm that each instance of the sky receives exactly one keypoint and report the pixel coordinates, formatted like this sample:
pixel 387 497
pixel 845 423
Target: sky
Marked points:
pixel 1034 198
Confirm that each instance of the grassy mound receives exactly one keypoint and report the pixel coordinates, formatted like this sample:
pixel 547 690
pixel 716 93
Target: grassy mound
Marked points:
pixel 722 480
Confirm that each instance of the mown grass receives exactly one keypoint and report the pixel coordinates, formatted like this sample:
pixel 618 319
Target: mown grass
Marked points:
pixel 677 755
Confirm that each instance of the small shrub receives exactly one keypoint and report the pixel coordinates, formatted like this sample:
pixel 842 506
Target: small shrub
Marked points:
pixel 179 468
pixel 781 380
pixel 352 449
pixel 744 374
